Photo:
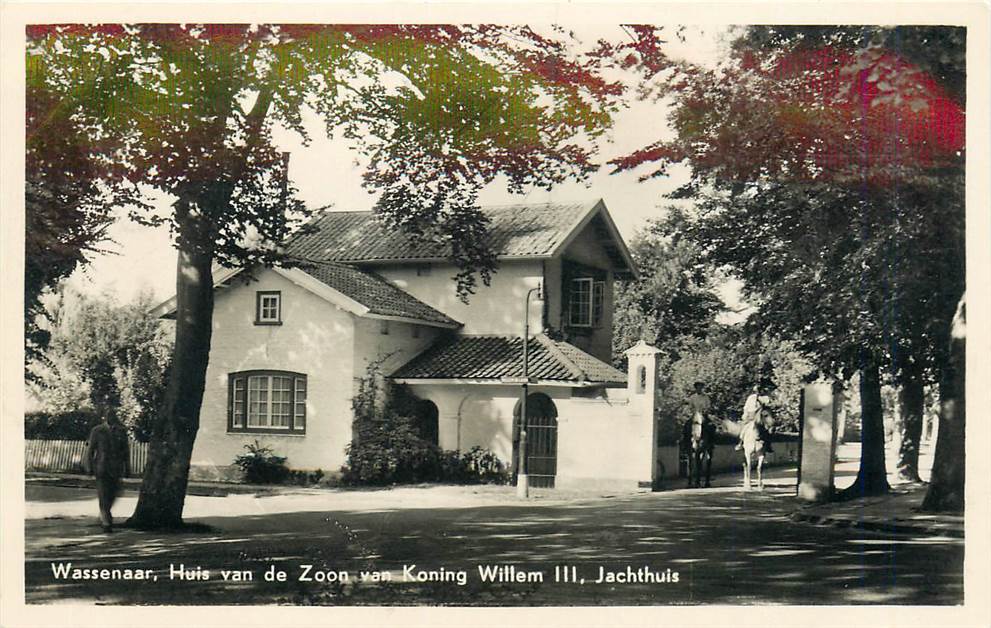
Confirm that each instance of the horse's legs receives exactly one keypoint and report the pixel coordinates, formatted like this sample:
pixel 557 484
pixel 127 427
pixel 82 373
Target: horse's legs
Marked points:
pixel 708 470
pixel 746 469
pixel 760 478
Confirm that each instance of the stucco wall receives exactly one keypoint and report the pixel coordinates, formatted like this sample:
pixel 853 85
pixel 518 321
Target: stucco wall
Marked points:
pixel 315 338
pixel 600 441
pixel 493 309
pixel 391 350
pixel 725 459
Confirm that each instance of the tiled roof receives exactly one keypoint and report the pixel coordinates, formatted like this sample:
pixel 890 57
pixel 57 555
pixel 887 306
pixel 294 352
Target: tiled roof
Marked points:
pixel 370 290
pixel 524 230
pixel 497 357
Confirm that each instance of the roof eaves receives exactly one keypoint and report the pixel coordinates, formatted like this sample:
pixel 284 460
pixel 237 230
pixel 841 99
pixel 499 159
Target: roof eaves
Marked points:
pixel 453 324
pixel 220 275
pixel 576 228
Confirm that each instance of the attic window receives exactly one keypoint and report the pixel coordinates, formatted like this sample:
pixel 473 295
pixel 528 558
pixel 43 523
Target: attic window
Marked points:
pixel 268 308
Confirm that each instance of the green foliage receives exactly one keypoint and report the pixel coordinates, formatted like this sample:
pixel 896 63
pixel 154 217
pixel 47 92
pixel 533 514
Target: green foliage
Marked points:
pixel 102 357
pixel 261 466
pixel 729 362
pixel 671 299
pixel 72 425
pixel 439 111
pixel 672 306
pixel 386 446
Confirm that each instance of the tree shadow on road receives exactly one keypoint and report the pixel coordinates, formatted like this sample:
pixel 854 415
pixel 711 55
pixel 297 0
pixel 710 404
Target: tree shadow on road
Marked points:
pixel 728 547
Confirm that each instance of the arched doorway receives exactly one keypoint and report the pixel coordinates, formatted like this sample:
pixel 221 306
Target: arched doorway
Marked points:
pixel 541 440
pixel 426 421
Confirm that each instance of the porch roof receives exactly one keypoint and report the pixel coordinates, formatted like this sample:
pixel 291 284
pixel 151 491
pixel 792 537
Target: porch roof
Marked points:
pixel 495 358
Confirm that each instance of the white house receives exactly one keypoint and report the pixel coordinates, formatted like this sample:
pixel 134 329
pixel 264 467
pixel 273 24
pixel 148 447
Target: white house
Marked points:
pixel 290 345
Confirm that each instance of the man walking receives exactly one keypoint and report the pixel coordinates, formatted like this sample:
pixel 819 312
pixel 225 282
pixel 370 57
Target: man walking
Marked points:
pixel 108 459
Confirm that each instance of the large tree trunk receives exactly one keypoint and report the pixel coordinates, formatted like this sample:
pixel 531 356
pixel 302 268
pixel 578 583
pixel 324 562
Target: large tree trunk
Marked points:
pixel 946 486
pixel 872 478
pixel 912 400
pixel 163 489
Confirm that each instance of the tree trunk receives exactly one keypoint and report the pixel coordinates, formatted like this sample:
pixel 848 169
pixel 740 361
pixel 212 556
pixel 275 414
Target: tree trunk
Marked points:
pixel 912 400
pixel 872 478
pixel 946 486
pixel 163 488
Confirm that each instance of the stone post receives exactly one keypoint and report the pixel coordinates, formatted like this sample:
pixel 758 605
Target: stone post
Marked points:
pixel 821 413
pixel 642 360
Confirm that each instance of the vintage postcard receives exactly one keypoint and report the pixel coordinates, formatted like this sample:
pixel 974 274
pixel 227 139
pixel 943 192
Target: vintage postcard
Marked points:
pixel 557 314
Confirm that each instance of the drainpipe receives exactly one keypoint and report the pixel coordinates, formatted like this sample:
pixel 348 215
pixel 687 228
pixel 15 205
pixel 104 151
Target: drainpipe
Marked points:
pixel 522 479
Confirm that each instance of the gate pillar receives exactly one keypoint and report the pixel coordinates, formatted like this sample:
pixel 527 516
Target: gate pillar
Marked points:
pixel 641 383
pixel 820 418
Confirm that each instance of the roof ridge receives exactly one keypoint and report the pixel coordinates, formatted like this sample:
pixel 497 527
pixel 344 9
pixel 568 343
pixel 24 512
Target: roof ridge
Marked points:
pixel 552 348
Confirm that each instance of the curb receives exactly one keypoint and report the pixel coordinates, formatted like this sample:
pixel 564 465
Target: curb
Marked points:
pixel 875 525
pixel 199 490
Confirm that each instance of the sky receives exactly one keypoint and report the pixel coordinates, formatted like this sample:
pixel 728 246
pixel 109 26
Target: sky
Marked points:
pixel 328 172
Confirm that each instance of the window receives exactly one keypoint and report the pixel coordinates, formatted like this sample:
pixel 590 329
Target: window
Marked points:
pixel 423 270
pixel 414 331
pixel 384 328
pixel 586 304
pixel 598 298
pixel 580 307
pixel 268 308
pixel 267 401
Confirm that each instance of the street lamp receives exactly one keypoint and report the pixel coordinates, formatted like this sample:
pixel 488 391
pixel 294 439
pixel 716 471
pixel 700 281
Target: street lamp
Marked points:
pixel 522 480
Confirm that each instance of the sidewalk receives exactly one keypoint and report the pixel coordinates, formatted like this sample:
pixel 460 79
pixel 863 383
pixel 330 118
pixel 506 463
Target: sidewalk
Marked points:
pixel 896 512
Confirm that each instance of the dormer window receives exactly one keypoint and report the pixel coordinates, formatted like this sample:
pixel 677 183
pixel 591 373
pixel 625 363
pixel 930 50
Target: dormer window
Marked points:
pixel 586 301
pixel 268 308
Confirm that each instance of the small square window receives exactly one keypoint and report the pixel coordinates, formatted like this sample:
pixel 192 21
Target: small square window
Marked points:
pixel 423 270
pixel 268 308
pixel 415 331
pixel 384 328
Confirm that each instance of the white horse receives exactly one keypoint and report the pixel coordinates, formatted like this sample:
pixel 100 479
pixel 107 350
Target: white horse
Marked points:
pixel 753 446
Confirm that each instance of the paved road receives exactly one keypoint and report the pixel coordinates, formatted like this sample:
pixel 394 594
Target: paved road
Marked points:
pixel 727 546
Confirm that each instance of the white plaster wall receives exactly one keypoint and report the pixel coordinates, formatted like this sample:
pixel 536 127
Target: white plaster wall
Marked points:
pixel 600 442
pixel 603 443
pixel 493 309
pixel 725 459
pixel 394 349
pixel 315 338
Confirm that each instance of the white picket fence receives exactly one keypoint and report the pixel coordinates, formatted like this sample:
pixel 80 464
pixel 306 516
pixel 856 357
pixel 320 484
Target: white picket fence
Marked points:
pixel 66 456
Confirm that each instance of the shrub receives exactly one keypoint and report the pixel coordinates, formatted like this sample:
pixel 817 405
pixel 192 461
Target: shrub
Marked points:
pixel 484 467
pixel 261 466
pixel 305 478
pixel 387 447
pixel 74 425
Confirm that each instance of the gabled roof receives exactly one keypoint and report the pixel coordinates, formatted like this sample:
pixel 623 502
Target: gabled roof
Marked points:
pixel 360 292
pixel 494 358
pixel 379 296
pixel 516 231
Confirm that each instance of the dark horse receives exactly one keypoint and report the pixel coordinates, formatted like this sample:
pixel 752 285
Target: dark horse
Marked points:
pixel 698 440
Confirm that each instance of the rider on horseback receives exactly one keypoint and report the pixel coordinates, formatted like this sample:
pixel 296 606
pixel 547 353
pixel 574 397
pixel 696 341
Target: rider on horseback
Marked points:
pixel 753 411
pixel 699 402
